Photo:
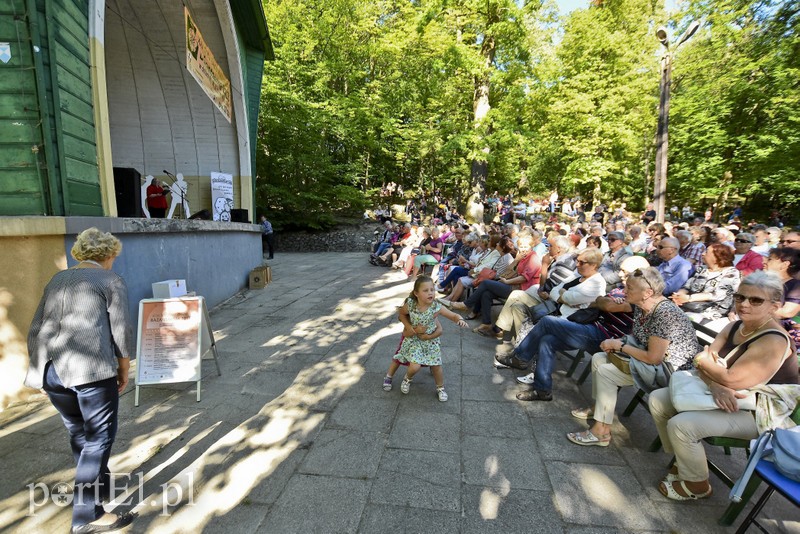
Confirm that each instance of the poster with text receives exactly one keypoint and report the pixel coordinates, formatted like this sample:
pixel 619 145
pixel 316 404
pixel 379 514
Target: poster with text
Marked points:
pixel 222 195
pixel 204 68
pixel 168 345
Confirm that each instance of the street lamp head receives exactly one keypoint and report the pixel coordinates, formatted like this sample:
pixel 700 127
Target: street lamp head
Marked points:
pixel 662 35
pixel 689 32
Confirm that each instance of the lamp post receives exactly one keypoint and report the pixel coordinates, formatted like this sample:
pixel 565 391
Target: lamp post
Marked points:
pixel 662 135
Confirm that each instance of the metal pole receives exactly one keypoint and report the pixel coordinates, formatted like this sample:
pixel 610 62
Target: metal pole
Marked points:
pixel 662 139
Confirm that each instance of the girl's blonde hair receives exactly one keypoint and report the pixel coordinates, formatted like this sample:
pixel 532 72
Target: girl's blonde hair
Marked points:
pixel 417 284
pixel 92 244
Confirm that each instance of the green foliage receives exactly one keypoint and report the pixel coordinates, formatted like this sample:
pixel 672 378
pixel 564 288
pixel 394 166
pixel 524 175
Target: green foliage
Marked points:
pixel 364 93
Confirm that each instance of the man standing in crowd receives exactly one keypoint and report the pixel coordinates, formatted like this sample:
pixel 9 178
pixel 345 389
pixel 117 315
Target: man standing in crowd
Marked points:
pixel 267 236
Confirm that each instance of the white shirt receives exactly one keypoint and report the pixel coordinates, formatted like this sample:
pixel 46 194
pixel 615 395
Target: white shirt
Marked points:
pixel 579 296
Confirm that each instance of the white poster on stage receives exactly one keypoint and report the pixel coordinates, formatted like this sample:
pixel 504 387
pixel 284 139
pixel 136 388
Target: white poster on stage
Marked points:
pixel 222 195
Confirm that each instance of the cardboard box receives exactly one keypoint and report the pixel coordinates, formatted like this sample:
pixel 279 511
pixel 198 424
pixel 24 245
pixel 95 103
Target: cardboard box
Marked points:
pixel 260 277
pixel 168 289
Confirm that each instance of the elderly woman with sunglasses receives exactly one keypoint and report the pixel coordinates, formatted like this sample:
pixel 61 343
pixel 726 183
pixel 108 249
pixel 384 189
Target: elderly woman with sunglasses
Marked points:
pixel 746 260
pixel 764 355
pixel 663 341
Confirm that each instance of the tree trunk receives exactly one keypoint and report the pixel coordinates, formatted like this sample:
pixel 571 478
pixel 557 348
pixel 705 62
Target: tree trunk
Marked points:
pixel 722 199
pixel 480 109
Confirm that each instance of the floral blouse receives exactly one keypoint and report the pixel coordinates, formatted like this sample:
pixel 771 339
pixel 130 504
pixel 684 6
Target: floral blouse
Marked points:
pixel 721 284
pixel 668 321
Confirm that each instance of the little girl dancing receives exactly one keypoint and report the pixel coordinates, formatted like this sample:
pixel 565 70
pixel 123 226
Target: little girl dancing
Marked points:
pixel 421 330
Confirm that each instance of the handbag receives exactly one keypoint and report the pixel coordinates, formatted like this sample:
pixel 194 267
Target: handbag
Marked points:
pixel 548 307
pixel 785 452
pixel 688 392
pixel 696 307
pixel 620 360
pixel 585 316
pixel 485 274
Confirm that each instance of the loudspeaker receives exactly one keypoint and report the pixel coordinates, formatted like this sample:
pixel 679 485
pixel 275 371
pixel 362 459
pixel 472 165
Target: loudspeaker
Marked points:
pixel 239 216
pixel 128 190
pixel 203 215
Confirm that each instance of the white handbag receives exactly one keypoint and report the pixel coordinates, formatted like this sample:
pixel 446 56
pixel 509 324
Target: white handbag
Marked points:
pixel 688 392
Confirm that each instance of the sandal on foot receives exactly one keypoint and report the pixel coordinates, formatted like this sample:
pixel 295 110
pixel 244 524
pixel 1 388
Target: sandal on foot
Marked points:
pixel 583 413
pixel 442 394
pixel 587 438
pixel 472 317
pixel 668 491
pixel 670 478
pixel 458 306
pixel 405 386
pixel 387 383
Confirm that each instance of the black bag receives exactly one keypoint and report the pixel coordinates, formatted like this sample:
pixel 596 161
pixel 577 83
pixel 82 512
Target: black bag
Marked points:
pixel 696 307
pixel 585 316
pixel 543 309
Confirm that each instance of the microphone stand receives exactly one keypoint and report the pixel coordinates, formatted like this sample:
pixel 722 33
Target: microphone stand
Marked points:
pixel 181 215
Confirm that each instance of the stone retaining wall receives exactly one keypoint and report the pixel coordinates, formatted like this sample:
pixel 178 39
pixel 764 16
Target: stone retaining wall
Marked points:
pixel 356 238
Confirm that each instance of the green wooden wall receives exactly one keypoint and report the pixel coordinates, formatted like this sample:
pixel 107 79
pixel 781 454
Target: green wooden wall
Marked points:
pixel 73 112
pixel 48 157
pixel 23 172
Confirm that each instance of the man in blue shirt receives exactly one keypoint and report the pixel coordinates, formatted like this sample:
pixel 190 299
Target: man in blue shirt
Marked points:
pixel 267 236
pixel 675 269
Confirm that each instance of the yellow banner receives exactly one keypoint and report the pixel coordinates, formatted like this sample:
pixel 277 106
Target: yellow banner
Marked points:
pixel 204 68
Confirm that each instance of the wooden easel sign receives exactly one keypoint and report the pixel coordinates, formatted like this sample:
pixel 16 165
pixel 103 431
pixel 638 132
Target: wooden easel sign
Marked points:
pixel 172 337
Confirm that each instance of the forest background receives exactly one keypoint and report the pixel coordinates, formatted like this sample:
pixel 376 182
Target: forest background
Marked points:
pixel 473 96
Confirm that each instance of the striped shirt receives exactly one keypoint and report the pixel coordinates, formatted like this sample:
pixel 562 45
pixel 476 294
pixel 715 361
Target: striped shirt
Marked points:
pixel 82 324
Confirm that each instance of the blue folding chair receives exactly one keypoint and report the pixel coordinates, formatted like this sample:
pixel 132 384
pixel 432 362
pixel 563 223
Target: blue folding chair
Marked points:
pixel 766 472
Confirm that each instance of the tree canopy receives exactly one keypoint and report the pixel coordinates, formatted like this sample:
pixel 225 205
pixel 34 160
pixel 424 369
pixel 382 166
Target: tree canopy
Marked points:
pixel 467 96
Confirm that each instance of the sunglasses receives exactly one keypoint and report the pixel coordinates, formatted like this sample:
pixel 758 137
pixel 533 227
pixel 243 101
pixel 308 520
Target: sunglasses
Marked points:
pixel 741 241
pixel 738 298
pixel 640 274
pixel 610 239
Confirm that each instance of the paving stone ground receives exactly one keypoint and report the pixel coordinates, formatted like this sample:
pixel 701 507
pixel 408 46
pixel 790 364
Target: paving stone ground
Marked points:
pixel 298 436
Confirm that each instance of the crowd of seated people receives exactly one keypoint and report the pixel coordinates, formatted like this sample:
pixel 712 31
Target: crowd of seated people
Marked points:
pixel 631 293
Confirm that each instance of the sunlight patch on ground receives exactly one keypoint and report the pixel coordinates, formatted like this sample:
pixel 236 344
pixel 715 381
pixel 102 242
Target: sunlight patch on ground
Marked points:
pixel 602 491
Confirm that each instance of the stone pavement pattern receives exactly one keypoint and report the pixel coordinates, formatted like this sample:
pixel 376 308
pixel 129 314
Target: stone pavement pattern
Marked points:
pixel 298 436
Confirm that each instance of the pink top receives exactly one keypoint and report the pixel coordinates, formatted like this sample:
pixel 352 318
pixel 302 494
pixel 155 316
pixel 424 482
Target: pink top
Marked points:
pixel 530 267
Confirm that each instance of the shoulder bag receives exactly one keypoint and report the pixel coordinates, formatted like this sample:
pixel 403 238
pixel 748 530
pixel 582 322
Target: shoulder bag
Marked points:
pixel 485 274
pixel 783 445
pixel 688 392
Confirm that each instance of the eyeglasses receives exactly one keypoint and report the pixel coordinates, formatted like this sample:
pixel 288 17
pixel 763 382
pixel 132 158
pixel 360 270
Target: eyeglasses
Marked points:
pixel 738 298
pixel 664 246
pixel 610 239
pixel 742 241
pixel 638 273
pixel 582 262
